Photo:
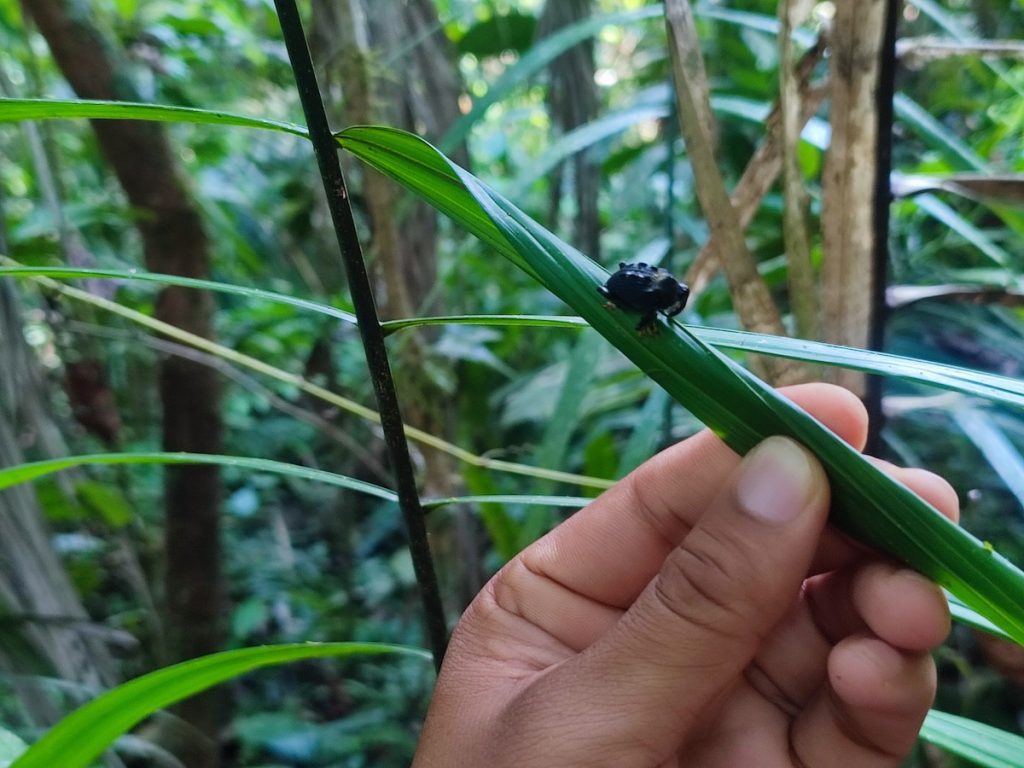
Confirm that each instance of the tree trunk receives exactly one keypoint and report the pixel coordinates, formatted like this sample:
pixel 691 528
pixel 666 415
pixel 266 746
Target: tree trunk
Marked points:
pixel 174 242
pixel 368 42
pixel 32 580
pixel 572 98
pixel 847 272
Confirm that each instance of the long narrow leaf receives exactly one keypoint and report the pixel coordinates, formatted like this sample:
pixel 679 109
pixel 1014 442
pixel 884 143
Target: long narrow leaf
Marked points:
pixel 981 744
pixel 186 282
pixel 22 473
pixel 82 736
pixel 930 129
pixel 741 409
pixel 533 60
pixel 29 471
pixel 15 110
pixel 944 213
pixel 1000 389
pixel 10 747
pixel 971 618
pixel 995 446
pixel 319 392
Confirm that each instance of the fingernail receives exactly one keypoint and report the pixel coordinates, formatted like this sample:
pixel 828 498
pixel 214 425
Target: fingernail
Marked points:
pixel 775 481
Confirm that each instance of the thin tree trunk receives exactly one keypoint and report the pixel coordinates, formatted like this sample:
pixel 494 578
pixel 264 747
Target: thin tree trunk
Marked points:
pixel 847 273
pixel 572 97
pixel 367 43
pixel 174 242
pixel 32 579
pixel 750 295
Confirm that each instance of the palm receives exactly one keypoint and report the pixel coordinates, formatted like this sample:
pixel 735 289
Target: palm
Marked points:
pixel 637 629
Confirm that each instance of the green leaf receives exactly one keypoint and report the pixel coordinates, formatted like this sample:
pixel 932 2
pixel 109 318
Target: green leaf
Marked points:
pixel 742 410
pixel 539 56
pixel 646 432
pixel 15 110
pixel 10 747
pixel 584 137
pixel 939 210
pixel 23 473
pixel 187 282
pixel 105 502
pixel 995 446
pixel 950 24
pixel 1000 389
pixel 935 133
pixel 982 744
pixel 512 31
pixel 573 502
pixel 83 735
pixel 972 618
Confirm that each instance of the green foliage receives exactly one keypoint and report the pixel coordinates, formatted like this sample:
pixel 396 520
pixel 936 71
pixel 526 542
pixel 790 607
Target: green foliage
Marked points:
pixel 326 559
pixel 83 735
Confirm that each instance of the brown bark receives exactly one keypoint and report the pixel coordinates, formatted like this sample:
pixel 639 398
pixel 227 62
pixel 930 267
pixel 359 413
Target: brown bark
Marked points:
pixel 572 97
pixel 32 580
pixel 403 242
pixel 847 192
pixel 750 295
pixel 803 289
pixel 174 242
pixel 762 170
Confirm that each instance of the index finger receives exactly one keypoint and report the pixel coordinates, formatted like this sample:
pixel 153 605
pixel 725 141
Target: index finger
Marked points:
pixel 613 547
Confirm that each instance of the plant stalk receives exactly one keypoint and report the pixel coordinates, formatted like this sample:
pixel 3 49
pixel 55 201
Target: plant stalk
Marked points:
pixel 326 150
pixel 882 202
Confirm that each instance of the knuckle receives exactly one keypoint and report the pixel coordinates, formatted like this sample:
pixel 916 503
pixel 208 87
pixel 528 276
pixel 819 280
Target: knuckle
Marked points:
pixel 703 583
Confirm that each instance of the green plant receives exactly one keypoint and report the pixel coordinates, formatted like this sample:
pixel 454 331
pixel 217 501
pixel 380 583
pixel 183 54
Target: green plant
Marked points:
pixel 737 406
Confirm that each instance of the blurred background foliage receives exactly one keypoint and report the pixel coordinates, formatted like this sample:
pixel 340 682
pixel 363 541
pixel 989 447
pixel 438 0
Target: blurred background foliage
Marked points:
pixel 594 155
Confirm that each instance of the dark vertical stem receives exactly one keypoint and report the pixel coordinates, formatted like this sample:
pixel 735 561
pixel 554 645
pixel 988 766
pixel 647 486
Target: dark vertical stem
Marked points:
pixel 882 203
pixel 671 127
pixel 326 150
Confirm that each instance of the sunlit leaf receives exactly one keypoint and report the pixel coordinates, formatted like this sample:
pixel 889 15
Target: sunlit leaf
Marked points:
pixel 981 744
pixel 741 409
pixel 13 110
pixel 83 735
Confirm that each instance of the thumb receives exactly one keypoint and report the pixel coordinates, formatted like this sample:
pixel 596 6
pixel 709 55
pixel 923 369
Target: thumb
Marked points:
pixel 698 624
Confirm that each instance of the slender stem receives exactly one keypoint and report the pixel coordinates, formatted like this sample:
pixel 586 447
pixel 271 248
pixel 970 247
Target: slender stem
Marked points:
pixel 882 203
pixel 326 150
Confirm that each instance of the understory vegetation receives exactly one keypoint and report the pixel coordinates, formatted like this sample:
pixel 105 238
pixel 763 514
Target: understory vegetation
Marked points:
pixel 194 459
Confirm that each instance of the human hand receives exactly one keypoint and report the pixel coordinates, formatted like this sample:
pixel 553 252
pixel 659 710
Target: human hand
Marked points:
pixel 700 612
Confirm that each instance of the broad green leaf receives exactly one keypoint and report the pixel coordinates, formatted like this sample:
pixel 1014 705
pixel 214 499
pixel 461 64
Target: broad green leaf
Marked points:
pixel 981 744
pixel 741 409
pixel 83 735
pixel 105 502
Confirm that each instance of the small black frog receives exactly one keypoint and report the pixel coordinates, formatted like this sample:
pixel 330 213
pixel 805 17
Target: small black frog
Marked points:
pixel 645 289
